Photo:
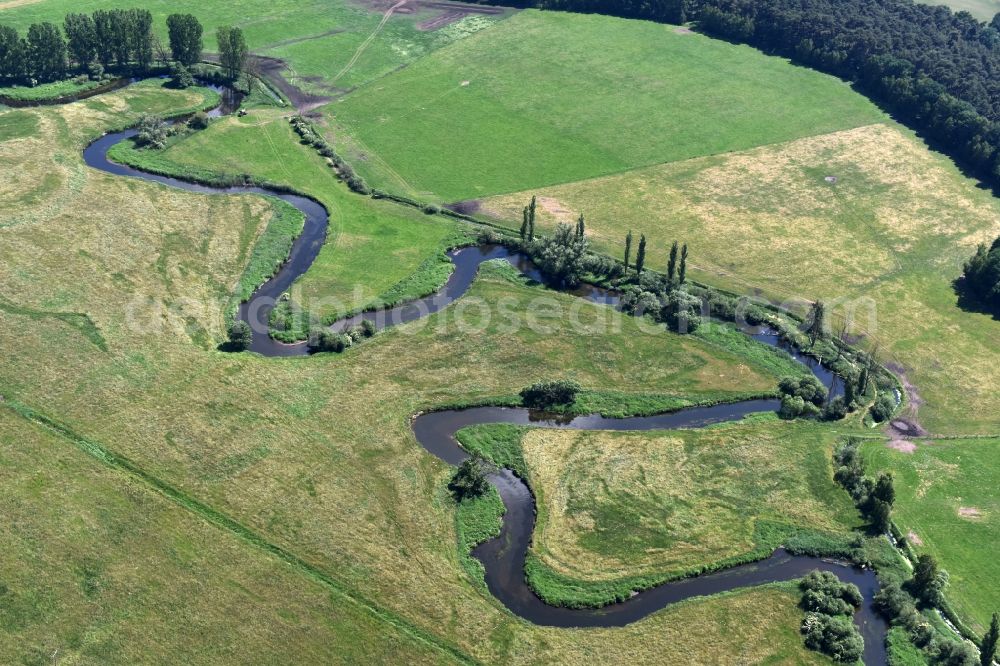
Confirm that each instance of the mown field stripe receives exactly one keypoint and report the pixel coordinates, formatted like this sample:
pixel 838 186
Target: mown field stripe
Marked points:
pixel 223 521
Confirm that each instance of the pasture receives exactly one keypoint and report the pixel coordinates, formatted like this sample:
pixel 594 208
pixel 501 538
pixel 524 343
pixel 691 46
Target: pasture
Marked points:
pixel 947 505
pixel 271 502
pixel 329 47
pixel 613 505
pixel 373 247
pixel 547 98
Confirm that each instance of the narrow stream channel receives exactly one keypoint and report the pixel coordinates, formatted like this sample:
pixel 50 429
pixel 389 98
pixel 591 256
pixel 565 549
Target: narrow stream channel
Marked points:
pixel 504 557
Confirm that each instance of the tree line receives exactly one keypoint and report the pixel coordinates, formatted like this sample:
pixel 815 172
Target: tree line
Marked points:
pixel 122 39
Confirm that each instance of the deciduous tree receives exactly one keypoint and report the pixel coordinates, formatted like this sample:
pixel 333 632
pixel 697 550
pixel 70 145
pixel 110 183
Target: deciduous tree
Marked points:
pixel 81 36
pixel 232 50
pixel 185 33
pixel 46 52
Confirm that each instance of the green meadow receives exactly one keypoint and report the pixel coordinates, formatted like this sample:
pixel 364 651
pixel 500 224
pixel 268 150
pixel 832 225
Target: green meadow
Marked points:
pixel 545 98
pixel 330 46
pixel 373 248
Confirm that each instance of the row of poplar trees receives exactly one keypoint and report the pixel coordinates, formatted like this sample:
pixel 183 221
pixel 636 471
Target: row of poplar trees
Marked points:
pixel 114 38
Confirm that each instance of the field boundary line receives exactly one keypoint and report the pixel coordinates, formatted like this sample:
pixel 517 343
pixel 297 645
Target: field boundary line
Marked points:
pixel 224 522
pixel 652 165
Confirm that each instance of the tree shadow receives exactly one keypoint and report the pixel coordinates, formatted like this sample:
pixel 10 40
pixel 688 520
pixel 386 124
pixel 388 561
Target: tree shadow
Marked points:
pixel 969 301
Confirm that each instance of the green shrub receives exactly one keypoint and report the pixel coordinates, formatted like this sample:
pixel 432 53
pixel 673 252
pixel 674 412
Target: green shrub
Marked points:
pixel 545 395
pixel 199 121
pixel 833 635
pixel 470 478
pixel 883 408
pixel 808 387
pixel 824 593
pixel 240 336
pixel 328 341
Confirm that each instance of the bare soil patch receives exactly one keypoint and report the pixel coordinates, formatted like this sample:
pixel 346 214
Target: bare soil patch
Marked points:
pixel 273 70
pixel 912 537
pixel 903 445
pixel 309 38
pixel 682 30
pixel 467 207
pixel 450 12
pixel 969 513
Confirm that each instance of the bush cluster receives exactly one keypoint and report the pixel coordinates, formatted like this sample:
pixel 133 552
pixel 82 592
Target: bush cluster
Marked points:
pixel 898 606
pixel 312 138
pixel 801 397
pixel 829 605
pixel 873 498
pixel 545 395
pixel 326 340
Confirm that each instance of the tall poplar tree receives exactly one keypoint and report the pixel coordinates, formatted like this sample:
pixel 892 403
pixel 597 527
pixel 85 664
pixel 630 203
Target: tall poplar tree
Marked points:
pixel 672 263
pixel 989 645
pixel 185 38
pixel 232 50
pixel 46 52
pixel 628 249
pixel 817 321
pixel 682 271
pixel 82 38
pixel 640 255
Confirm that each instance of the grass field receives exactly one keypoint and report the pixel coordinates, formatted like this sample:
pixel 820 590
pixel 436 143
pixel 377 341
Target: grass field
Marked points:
pixel 330 46
pixel 312 455
pixel 545 98
pixel 100 568
pixel 888 236
pixel 947 501
pixel 620 504
pixel 372 248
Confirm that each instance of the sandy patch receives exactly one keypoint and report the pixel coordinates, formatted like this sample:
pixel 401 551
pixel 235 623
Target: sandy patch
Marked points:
pixel 903 445
pixel 969 513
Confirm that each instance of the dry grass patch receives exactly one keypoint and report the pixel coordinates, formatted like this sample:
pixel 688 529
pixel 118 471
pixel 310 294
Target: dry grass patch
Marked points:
pixel 888 237
pixel 621 504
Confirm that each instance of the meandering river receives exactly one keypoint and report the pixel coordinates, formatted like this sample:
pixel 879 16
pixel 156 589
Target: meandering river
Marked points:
pixel 504 556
